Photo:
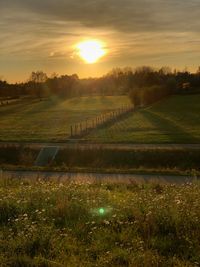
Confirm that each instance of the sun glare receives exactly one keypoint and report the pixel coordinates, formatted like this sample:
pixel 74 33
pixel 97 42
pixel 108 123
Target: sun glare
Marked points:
pixel 91 51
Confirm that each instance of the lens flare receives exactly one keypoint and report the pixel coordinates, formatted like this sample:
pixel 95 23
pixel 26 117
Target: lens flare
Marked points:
pixel 101 211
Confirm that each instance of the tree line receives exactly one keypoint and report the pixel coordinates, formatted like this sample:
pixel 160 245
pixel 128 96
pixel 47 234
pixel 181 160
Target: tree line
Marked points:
pixel 144 84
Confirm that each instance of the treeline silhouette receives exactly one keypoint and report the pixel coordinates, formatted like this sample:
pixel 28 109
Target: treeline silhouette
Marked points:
pixel 144 84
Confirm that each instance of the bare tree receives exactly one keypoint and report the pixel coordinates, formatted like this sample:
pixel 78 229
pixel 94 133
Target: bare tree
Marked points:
pixel 38 78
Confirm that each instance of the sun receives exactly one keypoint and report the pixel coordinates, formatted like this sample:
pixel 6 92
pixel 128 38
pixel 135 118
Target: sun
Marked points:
pixel 91 51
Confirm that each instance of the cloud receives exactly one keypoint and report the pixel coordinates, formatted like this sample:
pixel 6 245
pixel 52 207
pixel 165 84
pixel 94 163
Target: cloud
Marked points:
pixel 135 31
pixel 46 23
pixel 121 15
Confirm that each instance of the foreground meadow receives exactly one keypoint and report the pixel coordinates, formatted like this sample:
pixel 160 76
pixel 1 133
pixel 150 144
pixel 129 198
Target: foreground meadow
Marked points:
pixel 99 224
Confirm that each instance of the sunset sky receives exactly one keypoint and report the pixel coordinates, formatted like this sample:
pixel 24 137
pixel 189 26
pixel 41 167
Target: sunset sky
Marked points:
pixel 43 35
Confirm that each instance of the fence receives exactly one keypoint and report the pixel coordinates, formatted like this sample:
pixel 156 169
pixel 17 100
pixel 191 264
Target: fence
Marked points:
pixel 83 128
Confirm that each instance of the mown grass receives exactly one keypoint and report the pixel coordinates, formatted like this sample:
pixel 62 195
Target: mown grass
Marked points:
pixel 50 119
pixel 174 120
pixel 99 224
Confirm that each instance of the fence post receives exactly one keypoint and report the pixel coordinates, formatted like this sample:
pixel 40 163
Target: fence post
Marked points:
pixel 75 130
pixel 113 115
pixel 86 125
pixel 80 128
pixel 101 119
pixel 71 131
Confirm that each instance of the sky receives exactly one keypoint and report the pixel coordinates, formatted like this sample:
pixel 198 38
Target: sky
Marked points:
pixel 42 35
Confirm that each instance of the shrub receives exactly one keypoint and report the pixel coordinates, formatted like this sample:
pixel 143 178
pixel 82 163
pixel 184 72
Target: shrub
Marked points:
pixel 143 96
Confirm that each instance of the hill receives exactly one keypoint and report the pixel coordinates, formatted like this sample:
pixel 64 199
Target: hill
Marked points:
pixel 50 120
pixel 174 120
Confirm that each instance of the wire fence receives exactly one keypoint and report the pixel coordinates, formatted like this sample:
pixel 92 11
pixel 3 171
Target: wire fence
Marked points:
pixel 81 129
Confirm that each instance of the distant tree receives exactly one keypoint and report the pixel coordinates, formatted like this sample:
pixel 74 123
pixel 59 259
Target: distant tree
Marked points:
pixel 145 84
pixel 3 88
pixel 37 79
pixel 198 71
pixel 54 75
pixel 165 70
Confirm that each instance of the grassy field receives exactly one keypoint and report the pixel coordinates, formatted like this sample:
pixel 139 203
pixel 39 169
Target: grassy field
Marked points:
pixel 100 224
pixel 50 120
pixel 174 120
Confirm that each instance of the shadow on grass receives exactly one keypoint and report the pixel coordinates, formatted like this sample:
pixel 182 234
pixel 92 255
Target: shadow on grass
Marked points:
pixel 75 100
pixel 175 133
pixel 110 123
pixel 18 107
pixel 106 100
pixel 103 102
pixel 44 105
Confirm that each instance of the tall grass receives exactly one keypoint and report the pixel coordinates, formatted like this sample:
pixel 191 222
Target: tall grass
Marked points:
pixel 99 224
pixel 18 155
pixel 100 159
pixel 127 159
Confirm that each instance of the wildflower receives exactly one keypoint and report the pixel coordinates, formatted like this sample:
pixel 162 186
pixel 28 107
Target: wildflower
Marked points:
pixel 178 202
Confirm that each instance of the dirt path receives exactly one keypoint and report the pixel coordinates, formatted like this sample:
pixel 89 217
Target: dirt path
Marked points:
pixel 94 177
pixel 75 145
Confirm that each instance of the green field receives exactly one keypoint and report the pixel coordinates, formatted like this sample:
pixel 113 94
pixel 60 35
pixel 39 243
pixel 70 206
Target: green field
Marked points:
pixel 174 120
pixel 101 224
pixel 50 120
